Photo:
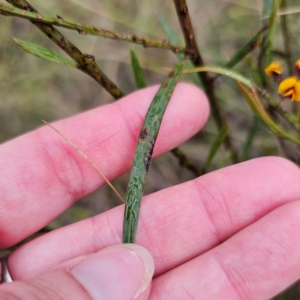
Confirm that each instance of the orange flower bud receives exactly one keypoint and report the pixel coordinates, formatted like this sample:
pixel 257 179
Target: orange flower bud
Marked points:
pixel 274 70
pixel 290 88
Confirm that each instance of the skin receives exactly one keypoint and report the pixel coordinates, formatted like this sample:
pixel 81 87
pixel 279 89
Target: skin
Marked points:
pixel 231 234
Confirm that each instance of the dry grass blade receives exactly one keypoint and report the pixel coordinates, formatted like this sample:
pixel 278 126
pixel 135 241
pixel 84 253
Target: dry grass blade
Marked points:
pixel 87 159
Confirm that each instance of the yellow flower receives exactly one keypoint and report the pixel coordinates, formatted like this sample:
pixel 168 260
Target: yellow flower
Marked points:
pixel 290 88
pixel 274 69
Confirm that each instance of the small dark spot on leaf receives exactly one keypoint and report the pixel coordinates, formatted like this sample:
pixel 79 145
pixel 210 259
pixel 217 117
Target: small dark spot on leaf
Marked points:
pixel 149 155
pixel 134 38
pixel 59 17
pixel 171 74
pixel 143 133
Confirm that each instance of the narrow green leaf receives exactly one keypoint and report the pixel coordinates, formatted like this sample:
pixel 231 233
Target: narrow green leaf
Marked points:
pixel 172 37
pixel 258 109
pixel 137 71
pixel 216 145
pixel 222 71
pixel 290 118
pixel 267 10
pixel 249 47
pixel 183 159
pixel 270 8
pixel 143 153
pixel 44 53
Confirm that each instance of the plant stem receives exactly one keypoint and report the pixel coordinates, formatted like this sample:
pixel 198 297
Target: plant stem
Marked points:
pixel 186 162
pixel 193 50
pixel 290 118
pixel 89 30
pixel 86 63
pixel 286 39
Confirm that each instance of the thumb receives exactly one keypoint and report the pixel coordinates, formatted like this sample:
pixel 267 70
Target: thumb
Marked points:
pixel 118 272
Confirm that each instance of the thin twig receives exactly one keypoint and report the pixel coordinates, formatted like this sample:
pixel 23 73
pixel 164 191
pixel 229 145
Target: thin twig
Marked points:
pixel 260 64
pixel 186 162
pixel 273 105
pixel 86 63
pixel 88 30
pixel 87 159
pixel 279 53
pixel 193 50
pixel 287 48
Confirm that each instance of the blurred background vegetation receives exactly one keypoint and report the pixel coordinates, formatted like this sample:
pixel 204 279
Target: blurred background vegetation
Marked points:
pixel 32 89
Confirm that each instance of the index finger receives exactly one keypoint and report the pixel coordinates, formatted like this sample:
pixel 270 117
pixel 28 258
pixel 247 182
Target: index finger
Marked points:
pixel 42 175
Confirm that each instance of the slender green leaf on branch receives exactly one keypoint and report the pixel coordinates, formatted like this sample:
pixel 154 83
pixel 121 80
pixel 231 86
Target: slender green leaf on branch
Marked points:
pixel 45 53
pixel 249 47
pixel 287 43
pixel 137 71
pixel 172 37
pixel 270 8
pixel 87 30
pixel 215 146
pixel 290 118
pixel 266 11
pixel 143 153
pixel 258 109
pixel 222 71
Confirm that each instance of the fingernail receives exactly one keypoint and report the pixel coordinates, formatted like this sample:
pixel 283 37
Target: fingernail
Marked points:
pixel 117 272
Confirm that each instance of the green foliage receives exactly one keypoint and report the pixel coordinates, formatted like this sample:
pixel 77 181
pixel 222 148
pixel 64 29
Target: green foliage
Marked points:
pixel 215 146
pixel 137 71
pixel 172 37
pixel 143 153
pixel 34 89
pixel 44 53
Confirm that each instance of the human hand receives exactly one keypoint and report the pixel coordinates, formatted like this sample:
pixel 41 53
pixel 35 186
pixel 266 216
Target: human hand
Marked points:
pixel 231 234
